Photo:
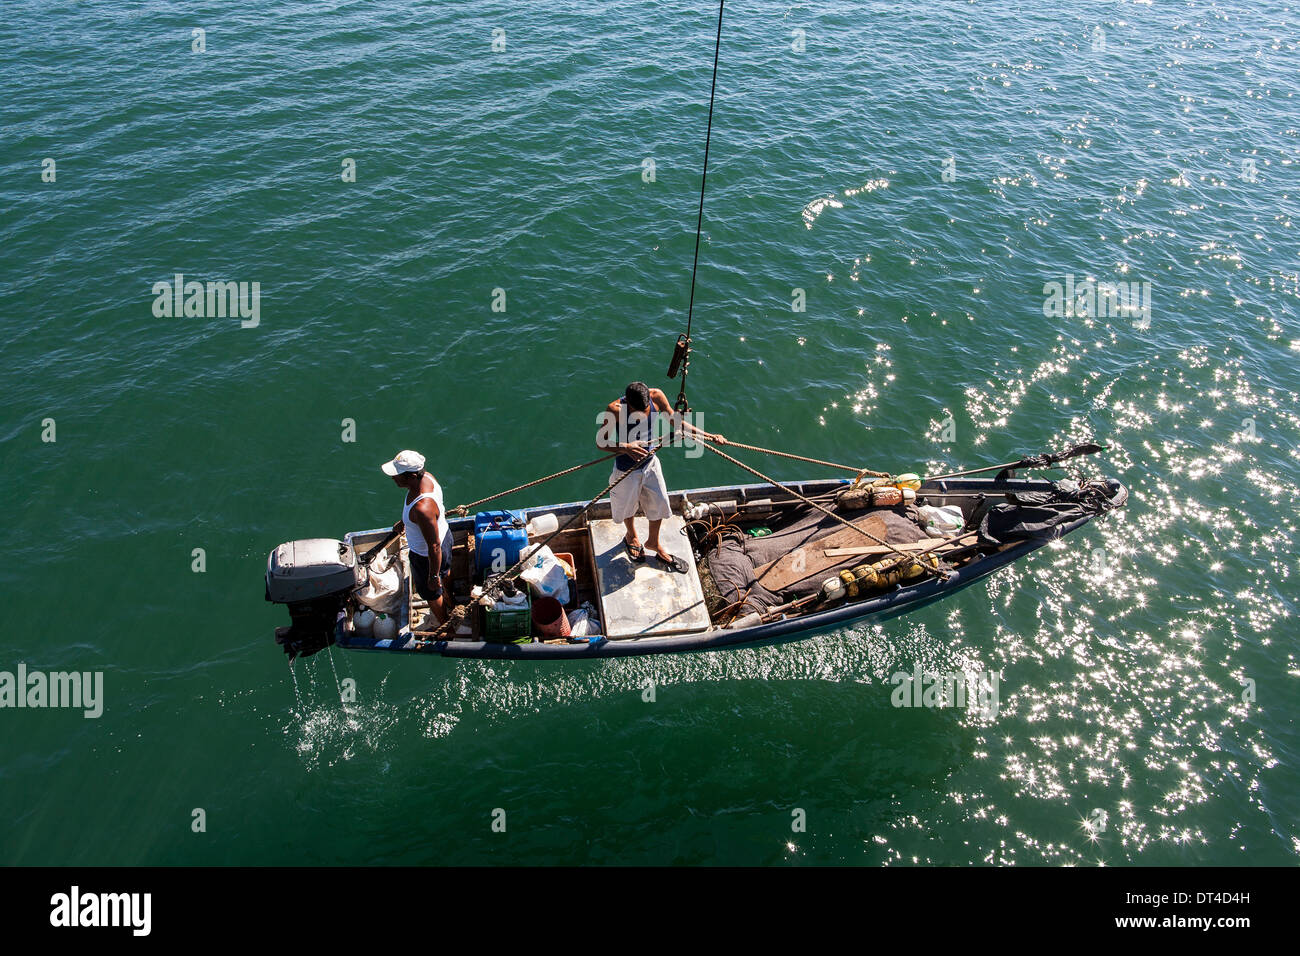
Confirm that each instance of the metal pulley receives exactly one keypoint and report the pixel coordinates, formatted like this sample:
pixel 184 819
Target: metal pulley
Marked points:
pixel 681 354
pixel 681 361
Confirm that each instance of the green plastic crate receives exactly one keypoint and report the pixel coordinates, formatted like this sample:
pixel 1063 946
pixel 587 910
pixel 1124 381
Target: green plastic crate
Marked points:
pixel 508 625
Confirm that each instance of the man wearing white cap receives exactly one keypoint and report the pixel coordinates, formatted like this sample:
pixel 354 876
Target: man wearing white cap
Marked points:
pixel 424 517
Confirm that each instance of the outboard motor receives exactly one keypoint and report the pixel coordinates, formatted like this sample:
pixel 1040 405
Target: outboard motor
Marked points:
pixel 314 578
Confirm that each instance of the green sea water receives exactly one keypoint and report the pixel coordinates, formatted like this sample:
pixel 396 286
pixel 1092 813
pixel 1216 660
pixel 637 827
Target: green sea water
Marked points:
pixel 919 172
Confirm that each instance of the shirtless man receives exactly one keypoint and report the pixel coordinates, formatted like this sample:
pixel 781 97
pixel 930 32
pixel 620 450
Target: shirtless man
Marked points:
pixel 628 427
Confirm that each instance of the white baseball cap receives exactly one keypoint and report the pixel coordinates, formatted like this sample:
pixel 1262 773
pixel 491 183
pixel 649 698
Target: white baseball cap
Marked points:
pixel 405 461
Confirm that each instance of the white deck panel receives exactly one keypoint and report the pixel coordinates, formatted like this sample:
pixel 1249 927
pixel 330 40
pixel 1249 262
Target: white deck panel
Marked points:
pixel 640 600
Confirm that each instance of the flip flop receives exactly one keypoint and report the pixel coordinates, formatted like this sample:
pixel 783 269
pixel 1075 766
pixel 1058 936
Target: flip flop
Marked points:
pixel 635 552
pixel 676 564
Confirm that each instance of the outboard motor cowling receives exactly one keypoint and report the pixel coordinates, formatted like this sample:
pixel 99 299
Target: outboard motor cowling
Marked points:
pixel 304 570
pixel 314 578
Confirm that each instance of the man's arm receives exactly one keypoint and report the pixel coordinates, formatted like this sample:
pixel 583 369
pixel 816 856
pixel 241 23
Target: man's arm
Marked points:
pixel 679 421
pixel 425 516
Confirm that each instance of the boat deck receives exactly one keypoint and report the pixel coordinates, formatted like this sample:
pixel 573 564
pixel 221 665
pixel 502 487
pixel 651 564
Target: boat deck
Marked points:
pixel 645 599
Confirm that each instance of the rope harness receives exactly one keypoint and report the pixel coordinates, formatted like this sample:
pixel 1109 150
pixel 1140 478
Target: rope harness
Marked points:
pixel 650 453
pixel 826 511
pixel 720 527
pixel 724 525
pixel 812 461
pixel 652 450
pixel 463 510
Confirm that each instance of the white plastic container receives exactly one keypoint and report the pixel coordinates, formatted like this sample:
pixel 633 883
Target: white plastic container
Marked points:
pixel 942 521
pixel 539 525
pixel 514 602
pixel 385 627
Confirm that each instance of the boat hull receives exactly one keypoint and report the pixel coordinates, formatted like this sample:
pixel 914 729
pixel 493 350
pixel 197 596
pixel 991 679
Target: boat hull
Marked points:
pixel 882 607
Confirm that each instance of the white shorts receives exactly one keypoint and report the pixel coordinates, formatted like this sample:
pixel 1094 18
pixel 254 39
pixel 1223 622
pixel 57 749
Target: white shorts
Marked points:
pixel 644 488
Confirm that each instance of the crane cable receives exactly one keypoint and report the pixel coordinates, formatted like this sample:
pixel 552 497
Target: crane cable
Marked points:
pixel 684 343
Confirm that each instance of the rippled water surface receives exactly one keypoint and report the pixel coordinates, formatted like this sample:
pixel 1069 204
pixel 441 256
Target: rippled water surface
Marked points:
pixel 920 173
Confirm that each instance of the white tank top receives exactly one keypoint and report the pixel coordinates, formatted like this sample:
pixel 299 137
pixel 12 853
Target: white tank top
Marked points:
pixel 414 536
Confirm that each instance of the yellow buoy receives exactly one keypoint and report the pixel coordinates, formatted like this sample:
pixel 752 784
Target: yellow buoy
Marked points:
pixel 865 575
pixel 850 583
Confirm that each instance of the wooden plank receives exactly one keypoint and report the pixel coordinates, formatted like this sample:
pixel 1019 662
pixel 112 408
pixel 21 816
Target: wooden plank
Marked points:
pixel 639 600
pixel 922 545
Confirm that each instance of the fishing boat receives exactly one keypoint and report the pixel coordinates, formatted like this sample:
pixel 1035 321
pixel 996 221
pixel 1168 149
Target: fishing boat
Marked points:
pixel 764 564
pixel 751 563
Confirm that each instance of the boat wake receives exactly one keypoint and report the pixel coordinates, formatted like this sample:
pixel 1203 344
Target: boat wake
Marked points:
pixel 324 730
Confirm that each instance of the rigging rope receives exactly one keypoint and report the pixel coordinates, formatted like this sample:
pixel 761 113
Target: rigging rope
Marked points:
pixel 653 449
pixel 848 524
pixel 651 452
pixel 813 461
pixel 463 510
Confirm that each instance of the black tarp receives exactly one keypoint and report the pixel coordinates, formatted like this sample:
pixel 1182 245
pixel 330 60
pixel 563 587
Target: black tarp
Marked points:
pixel 1039 515
pixel 732 562
pixel 732 571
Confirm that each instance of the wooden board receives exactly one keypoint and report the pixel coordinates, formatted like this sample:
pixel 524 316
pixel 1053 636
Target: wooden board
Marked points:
pixel 924 544
pixel 639 600
pixel 811 559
